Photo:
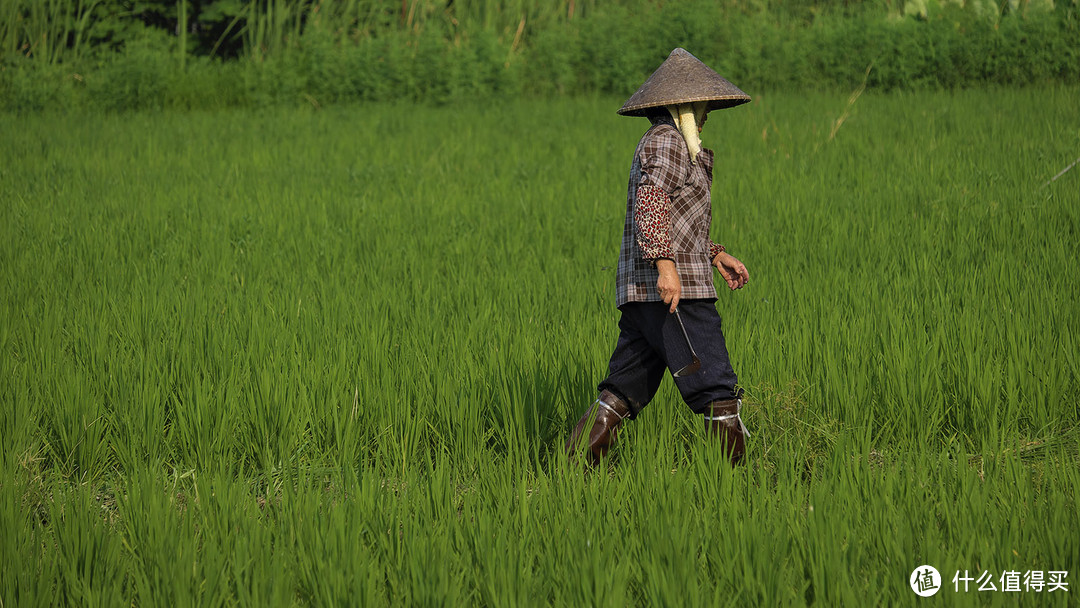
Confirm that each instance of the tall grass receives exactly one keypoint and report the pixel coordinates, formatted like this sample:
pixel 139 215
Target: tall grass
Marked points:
pixel 47 30
pixel 303 356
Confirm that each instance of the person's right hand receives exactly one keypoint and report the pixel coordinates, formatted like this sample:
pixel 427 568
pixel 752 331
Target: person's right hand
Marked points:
pixel 669 285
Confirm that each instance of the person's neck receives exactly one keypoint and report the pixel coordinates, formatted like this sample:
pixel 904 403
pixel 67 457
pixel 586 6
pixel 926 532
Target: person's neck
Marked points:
pixel 662 119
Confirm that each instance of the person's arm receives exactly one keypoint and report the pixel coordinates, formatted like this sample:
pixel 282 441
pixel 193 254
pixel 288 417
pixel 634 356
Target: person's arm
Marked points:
pixel 652 217
pixel 663 167
pixel 732 270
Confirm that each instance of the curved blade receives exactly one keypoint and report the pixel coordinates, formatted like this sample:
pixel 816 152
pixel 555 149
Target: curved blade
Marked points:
pixel 692 368
pixel 695 363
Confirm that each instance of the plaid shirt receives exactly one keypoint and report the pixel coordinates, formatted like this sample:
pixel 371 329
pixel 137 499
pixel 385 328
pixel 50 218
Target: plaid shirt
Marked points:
pixel 668 212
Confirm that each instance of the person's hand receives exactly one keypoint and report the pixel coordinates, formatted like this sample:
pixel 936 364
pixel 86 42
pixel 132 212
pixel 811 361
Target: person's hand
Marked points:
pixel 669 285
pixel 733 271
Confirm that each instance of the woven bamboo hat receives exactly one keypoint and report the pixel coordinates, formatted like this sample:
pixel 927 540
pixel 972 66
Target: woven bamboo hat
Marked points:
pixel 683 78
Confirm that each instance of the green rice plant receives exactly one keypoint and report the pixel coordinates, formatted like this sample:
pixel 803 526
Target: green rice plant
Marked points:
pixel 88 556
pixel 301 356
pixel 160 531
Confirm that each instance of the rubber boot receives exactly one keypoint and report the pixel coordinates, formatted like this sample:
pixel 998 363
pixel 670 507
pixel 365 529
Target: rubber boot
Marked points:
pixel 723 422
pixel 606 414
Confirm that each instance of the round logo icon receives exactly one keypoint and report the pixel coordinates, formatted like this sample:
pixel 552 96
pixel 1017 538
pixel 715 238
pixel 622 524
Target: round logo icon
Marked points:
pixel 925 581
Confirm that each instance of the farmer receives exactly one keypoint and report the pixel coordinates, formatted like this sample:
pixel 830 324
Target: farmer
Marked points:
pixel 664 279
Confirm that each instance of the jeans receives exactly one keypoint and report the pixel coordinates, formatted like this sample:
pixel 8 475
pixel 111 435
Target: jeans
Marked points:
pixel 651 341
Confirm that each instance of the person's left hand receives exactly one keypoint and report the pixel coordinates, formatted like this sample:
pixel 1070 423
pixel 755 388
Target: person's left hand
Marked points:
pixel 733 271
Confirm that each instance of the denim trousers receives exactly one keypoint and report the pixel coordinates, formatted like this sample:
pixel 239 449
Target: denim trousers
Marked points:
pixel 651 341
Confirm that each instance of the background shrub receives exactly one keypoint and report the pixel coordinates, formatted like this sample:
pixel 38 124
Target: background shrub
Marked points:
pixel 192 54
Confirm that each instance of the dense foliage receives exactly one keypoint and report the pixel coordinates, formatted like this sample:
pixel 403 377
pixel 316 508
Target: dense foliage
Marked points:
pixel 189 53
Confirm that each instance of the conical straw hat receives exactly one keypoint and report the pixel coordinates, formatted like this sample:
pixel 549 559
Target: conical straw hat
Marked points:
pixel 682 78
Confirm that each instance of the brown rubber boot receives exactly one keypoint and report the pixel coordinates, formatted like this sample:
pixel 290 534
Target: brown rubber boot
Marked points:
pixel 606 414
pixel 722 421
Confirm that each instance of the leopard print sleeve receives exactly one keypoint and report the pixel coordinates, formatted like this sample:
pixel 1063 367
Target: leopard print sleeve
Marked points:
pixel 652 216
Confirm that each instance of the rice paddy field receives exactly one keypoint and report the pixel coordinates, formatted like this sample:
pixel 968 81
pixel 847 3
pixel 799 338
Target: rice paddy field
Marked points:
pixel 301 356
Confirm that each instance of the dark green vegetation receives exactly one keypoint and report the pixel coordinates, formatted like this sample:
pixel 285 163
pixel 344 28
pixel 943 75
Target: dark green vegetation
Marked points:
pixel 117 54
pixel 329 357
